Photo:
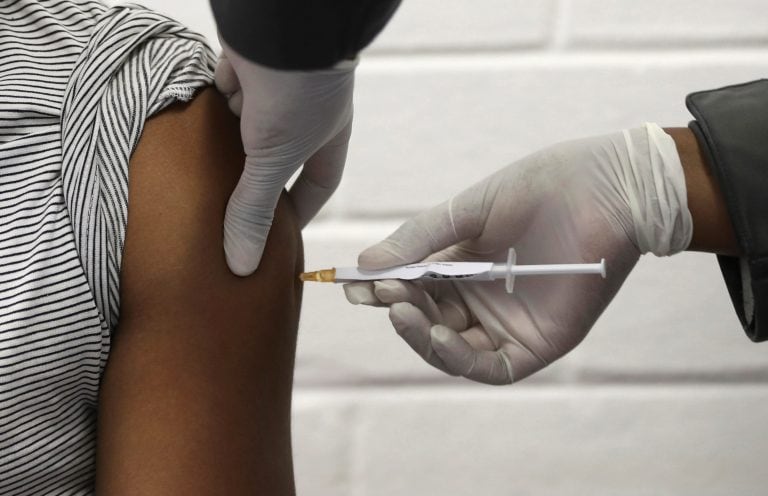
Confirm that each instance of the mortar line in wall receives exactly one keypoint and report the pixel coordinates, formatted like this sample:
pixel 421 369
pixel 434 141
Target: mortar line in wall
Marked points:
pixel 502 60
pixel 628 46
pixel 627 384
pixel 342 230
pixel 448 49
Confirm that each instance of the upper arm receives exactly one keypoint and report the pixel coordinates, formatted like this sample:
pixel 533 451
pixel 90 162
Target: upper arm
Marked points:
pixel 195 398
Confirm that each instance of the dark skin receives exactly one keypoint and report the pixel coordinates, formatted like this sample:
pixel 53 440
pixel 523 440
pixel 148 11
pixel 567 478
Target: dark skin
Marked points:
pixel 196 396
pixel 712 228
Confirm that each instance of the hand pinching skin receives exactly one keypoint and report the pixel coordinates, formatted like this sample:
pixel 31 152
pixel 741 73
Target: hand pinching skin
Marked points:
pixel 287 119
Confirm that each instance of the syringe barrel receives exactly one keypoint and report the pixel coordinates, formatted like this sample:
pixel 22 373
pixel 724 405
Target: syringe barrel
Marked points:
pixel 499 271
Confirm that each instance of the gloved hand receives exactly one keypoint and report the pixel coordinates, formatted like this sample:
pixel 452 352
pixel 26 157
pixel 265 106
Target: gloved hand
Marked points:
pixel 612 197
pixel 287 118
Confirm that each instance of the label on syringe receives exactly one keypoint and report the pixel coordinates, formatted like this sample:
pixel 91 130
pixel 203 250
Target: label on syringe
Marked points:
pixel 433 270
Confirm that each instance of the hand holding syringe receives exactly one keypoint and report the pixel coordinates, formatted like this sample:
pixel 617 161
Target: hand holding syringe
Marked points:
pixel 615 196
pixel 452 271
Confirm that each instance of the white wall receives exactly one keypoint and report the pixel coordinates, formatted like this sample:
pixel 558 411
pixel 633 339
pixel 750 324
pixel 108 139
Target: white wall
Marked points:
pixel 665 396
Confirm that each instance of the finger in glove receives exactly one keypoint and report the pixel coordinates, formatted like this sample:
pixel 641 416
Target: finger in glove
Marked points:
pixel 361 293
pixel 229 85
pixel 489 367
pixel 413 326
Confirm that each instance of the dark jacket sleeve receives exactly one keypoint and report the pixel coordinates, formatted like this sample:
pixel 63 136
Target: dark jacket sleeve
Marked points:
pixel 301 34
pixel 732 128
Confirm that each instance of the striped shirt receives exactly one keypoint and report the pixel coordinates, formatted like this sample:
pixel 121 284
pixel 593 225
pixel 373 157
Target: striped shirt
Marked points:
pixel 78 79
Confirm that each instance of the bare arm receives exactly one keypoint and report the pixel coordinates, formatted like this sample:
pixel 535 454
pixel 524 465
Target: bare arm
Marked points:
pixel 196 396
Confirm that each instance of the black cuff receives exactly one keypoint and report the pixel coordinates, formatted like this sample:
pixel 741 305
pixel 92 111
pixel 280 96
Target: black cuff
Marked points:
pixel 732 128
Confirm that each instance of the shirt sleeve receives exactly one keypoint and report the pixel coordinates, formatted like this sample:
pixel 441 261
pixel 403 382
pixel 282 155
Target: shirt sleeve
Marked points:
pixel 301 34
pixel 135 62
pixel 732 128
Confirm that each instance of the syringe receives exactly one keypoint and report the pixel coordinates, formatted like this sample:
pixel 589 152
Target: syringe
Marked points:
pixel 451 271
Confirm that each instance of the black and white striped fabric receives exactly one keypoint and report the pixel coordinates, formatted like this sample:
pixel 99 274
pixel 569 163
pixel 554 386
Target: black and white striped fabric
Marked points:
pixel 77 81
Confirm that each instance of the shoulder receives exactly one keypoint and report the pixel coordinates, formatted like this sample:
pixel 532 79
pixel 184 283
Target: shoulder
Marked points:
pixel 181 175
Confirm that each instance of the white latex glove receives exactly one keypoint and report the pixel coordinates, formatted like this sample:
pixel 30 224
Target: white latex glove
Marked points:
pixel 612 197
pixel 287 118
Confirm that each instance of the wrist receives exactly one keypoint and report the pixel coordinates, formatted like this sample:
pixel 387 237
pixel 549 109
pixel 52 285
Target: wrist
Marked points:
pixel 654 183
pixel 712 228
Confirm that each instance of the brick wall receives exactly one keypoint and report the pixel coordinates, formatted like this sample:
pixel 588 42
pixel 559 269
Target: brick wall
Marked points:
pixel 666 394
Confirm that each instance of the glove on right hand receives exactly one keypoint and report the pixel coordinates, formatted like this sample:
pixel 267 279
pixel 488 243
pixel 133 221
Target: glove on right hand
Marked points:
pixel 287 118
pixel 612 197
